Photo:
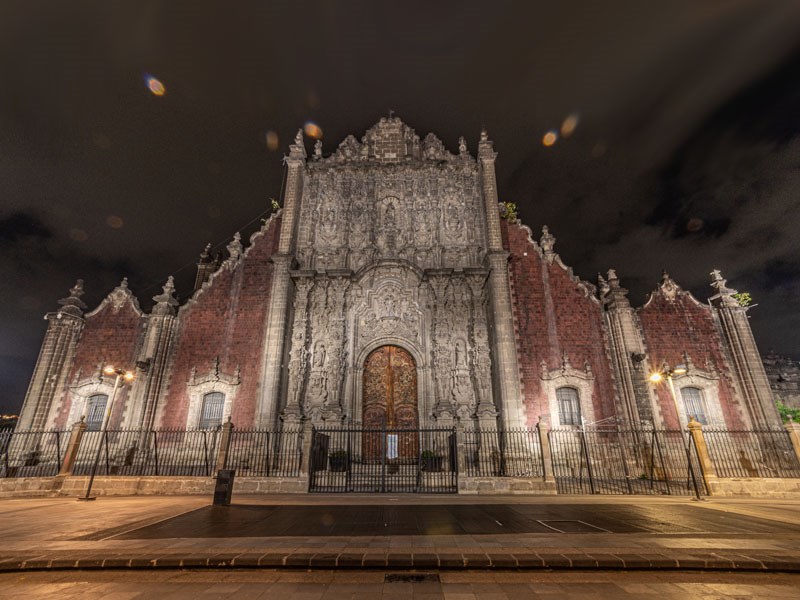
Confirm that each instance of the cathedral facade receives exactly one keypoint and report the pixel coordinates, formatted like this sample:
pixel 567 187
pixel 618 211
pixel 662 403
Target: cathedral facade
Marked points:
pixel 391 291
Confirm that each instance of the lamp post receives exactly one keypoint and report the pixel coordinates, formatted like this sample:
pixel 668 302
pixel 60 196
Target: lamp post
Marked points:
pixel 669 373
pixel 121 374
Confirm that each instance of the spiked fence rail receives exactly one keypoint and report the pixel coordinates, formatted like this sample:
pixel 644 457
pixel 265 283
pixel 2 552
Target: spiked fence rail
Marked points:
pixel 265 453
pixel 502 453
pixel 32 453
pixel 752 453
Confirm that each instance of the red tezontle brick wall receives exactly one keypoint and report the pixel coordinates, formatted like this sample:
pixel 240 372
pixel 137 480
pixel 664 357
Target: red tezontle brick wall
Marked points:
pixel 553 315
pixel 672 328
pixel 109 337
pixel 228 320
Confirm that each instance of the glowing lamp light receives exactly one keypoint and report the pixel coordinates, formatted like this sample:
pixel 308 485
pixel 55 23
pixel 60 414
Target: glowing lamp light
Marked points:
pixel 656 377
pixel 128 376
pixel 109 370
pixel 679 370
pixel 549 138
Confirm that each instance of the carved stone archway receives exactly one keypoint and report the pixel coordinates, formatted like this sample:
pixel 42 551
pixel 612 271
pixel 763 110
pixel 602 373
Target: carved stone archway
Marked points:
pixel 390 397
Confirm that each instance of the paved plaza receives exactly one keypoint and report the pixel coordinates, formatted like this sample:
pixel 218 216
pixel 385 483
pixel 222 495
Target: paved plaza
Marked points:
pixel 351 546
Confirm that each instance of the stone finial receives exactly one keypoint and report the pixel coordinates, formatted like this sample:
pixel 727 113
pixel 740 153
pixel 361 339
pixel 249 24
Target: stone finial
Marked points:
pixel 725 296
pixel 462 147
pixel 486 147
pixel 297 150
pixel 235 247
pixel 547 242
pixel 617 296
pixel 668 287
pixel 165 301
pixel 72 304
pixel 318 150
pixel 484 135
pixel 205 255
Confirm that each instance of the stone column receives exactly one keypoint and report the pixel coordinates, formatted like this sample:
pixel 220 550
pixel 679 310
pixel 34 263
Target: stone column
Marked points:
pixel 627 353
pixel 73 445
pixel 224 445
pixel 305 457
pixel 153 358
pixel 706 465
pixel 543 429
pixel 273 361
pixel 747 365
pixel 55 361
pixel 506 368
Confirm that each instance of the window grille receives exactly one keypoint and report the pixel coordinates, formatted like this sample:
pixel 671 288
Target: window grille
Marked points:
pixel 95 411
pixel 211 415
pixel 694 404
pixel 569 408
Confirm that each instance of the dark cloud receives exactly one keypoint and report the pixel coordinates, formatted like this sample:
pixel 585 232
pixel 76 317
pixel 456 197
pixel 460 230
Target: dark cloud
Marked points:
pixel 685 153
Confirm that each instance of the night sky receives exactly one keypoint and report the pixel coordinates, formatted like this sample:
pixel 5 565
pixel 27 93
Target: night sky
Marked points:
pixel 686 153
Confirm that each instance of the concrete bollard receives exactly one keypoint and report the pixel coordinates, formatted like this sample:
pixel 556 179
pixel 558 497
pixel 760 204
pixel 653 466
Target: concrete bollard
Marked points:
pixel 543 429
pixel 224 446
pixel 794 434
pixel 73 446
pixel 706 464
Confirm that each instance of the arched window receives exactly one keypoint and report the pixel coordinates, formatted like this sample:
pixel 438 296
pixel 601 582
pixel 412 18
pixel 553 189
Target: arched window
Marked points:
pixel 95 411
pixel 211 414
pixel 569 407
pixel 694 404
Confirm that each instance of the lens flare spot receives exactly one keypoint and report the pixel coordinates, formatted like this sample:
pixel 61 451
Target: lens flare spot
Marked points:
pixel 569 125
pixel 272 141
pixel 549 138
pixel 694 224
pixel 312 130
pixel 79 235
pixel 155 86
pixel 114 221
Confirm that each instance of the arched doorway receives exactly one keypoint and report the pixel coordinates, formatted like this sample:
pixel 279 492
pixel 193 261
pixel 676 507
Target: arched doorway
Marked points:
pixel 390 400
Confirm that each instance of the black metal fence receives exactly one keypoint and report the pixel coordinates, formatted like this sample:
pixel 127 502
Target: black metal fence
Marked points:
pixel 501 453
pixel 624 461
pixel 167 452
pixel 752 453
pixel 265 453
pixel 383 460
pixel 32 453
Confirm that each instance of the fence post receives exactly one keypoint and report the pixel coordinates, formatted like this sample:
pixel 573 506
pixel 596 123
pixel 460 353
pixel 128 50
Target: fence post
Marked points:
pixel 305 453
pixel 74 444
pixel 706 465
pixel 544 444
pixel 794 434
pixel 224 445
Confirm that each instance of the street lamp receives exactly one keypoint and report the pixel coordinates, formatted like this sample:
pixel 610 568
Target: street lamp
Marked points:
pixel 669 373
pixel 121 374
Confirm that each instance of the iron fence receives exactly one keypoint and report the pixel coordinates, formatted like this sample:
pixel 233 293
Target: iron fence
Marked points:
pixel 752 453
pixel 265 453
pixel 624 461
pixel 167 452
pixel 32 453
pixel 501 453
pixel 383 460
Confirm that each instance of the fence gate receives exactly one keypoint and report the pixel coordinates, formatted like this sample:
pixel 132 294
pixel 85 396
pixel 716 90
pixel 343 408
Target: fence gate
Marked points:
pixel 632 461
pixel 383 460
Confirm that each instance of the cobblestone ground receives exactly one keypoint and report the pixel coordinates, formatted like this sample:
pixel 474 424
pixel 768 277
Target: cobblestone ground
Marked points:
pixel 357 585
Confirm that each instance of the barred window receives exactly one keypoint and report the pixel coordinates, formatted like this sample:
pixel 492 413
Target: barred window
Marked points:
pixel 694 404
pixel 569 408
pixel 95 411
pixel 211 415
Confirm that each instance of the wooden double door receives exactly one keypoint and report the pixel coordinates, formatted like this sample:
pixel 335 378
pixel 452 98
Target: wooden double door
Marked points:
pixel 390 403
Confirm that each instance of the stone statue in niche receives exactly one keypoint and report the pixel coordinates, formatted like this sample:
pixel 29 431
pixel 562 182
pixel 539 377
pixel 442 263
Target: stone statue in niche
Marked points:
pixel 461 355
pixel 319 355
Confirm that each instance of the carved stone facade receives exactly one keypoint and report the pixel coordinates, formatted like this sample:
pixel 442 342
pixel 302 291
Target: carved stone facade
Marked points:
pixel 389 271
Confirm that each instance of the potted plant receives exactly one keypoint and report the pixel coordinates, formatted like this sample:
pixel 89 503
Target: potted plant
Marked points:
pixel 430 461
pixel 339 460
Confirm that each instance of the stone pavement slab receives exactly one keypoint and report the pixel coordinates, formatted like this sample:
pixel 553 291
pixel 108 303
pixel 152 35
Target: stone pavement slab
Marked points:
pixel 405 533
